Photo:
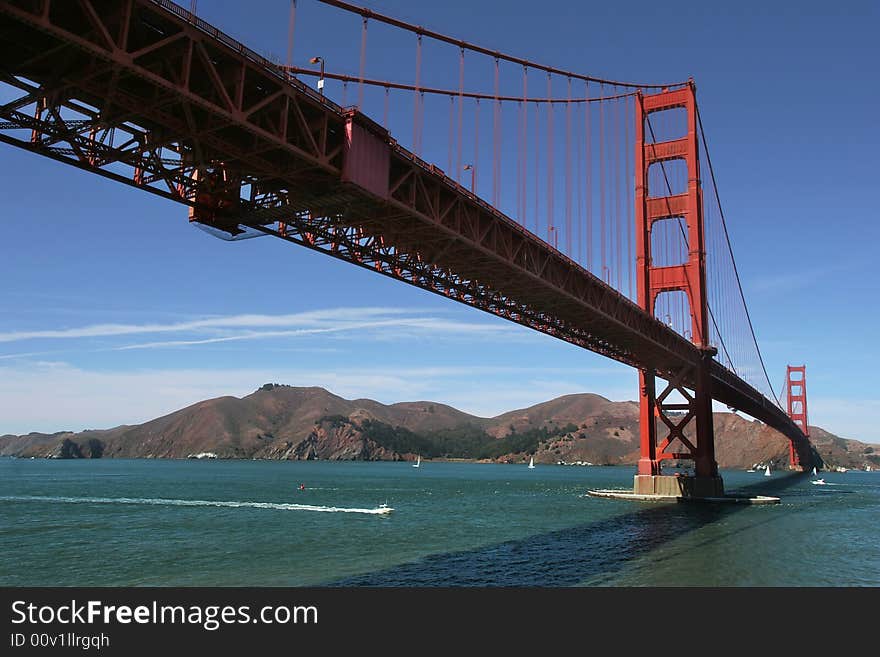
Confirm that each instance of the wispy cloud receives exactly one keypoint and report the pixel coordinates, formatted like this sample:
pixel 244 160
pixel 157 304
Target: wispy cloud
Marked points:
pixel 428 324
pixel 310 318
pixel 373 323
pixel 26 354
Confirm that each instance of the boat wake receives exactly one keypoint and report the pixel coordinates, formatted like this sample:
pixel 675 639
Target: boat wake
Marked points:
pixel 156 501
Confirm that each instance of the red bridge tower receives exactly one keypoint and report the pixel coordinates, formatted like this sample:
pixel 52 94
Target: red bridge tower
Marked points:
pixel 796 393
pixel 689 277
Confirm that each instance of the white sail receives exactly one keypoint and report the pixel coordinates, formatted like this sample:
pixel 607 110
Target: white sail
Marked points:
pixel 767 471
pixel 814 469
pixel 418 462
pixel 532 463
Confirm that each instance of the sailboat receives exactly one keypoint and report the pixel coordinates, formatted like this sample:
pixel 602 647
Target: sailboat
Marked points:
pixel 814 470
pixel 532 463
pixel 767 471
pixel 418 462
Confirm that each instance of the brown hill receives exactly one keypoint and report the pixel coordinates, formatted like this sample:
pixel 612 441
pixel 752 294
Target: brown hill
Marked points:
pixel 269 423
pixel 285 422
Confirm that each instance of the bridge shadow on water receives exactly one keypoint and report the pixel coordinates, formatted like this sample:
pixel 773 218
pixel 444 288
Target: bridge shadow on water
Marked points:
pixel 567 557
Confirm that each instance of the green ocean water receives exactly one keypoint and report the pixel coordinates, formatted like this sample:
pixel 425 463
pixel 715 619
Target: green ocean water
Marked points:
pixel 246 523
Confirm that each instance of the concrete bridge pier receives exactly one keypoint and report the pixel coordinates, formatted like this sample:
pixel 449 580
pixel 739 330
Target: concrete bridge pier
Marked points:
pixel 678 486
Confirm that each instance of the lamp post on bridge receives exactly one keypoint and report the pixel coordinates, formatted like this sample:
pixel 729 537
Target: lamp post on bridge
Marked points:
pixel 469 167
pixel 555 237
pixel 316 60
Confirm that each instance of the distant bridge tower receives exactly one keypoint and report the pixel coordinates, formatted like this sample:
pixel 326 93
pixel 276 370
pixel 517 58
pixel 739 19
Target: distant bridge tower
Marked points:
pixel 689 277
pixel 796 394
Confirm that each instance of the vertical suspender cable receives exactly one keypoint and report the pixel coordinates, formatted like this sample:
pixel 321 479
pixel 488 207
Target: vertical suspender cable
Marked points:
pixel 730 249
pixel 710 270
pixel 537 166
pixel 496 144
pixel 579 186
pixel 588 199
pixel 550 225
pixel 630 184
pixel 417 96
pixel 616 164
pixel 524 157
pixel 602 180
pixel 460 109
pixel 613 202
pixel 622 224
pixel 290 25
pixel 683 257
pixel 475 165
pixel 518 217
pixel 568 241
pixel 450 143
pixel 363 64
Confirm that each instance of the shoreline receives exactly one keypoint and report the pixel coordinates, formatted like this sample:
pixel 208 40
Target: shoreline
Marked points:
pixel 245 459
pixel 524 462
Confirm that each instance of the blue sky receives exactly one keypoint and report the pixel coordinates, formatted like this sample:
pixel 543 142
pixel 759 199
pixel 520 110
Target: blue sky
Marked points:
pixel 116 310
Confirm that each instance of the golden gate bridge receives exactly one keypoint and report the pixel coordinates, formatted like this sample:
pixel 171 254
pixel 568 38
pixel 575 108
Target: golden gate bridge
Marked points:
pixel 581 207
